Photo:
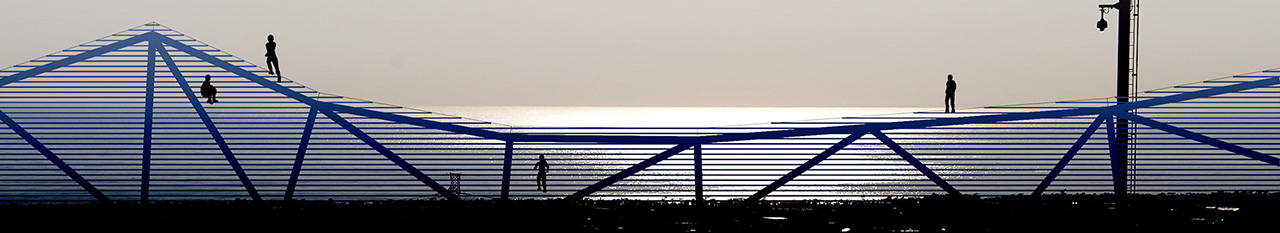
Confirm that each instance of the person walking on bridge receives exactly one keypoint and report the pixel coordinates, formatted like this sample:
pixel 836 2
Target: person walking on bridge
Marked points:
pixel 542 167
pixel 271 58
pixel 950 101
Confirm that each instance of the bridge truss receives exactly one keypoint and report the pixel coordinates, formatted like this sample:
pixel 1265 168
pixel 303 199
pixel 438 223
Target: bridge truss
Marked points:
pixel 118 119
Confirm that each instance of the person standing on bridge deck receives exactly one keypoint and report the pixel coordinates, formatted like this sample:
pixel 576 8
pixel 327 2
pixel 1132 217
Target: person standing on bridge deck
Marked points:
pixel 542 167
pixel 271 58
pixel 208 90
pixel 950 101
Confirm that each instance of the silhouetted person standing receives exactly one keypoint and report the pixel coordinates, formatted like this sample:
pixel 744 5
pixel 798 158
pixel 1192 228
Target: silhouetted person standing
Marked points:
pixel 542 167
pixel 271 58
pixel 950 101
pixel 207 90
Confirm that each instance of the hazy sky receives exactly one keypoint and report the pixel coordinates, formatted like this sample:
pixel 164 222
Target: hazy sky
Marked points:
pixel 687 53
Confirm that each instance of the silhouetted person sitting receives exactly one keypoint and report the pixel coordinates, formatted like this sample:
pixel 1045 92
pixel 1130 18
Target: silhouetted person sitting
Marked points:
pixel 271 58
pixel 207 90
pixel 950 101
pixel 542 167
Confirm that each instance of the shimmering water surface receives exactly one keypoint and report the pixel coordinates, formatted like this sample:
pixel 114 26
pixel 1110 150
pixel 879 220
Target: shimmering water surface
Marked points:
pixel 552 116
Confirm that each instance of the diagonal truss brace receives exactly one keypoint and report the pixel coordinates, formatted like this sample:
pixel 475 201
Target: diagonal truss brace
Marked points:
pixel 48 154
pixel 449 195
pixel 1071 153
pixel 916 163
pixel 1200 138
pixel 628 172
pixel 302 152
pixel 1113 151
pixel 147 120
pixel 208 123
pixel 805 166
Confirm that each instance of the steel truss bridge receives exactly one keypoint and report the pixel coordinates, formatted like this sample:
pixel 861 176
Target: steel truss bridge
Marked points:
pixel 117 119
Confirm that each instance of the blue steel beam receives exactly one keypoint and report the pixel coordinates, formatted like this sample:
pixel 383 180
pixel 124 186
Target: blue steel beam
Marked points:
pixel 302 152
pixel 805 166
pixel 915 163
pixel 73 59
pixel 405 165
pixel 208 123
pixel 627 172
pixel 322 106
pixel 702 139
pixel 697 173
pixel 1200 138
pixel 506 169
pixel 1071 153
pixel 48 154
pixel 1113 151
pixel 145 194
pixel 993 118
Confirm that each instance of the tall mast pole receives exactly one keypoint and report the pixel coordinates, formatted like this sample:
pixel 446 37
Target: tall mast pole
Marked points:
pixel 1120 165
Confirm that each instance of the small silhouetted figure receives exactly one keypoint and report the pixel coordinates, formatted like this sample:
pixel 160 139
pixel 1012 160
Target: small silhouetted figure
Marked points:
pixel 271 58
pixel 207 90
pixel 542 167
pixel 950 101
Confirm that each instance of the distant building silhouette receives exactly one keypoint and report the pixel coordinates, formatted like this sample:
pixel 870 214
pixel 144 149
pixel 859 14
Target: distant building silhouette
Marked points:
pixel 950 101
pixel 208 90
pixel 272 60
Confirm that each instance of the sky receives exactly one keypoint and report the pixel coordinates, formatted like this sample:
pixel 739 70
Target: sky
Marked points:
pixel 688 53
